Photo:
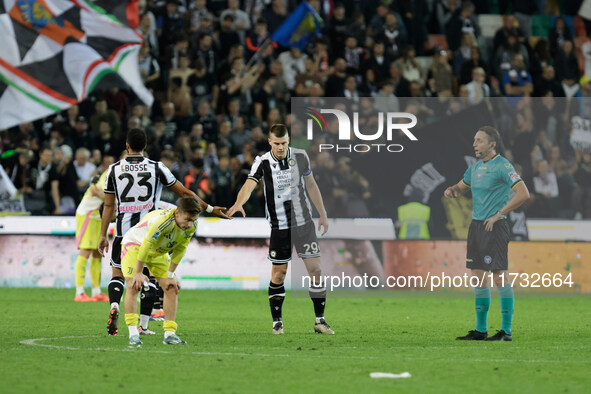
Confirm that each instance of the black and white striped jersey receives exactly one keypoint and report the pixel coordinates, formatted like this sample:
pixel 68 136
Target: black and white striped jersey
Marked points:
pixel 137 184
pixel 287 203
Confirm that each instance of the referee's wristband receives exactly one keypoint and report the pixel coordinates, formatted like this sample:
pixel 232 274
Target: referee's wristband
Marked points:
pixel 209 209
pixel 171 274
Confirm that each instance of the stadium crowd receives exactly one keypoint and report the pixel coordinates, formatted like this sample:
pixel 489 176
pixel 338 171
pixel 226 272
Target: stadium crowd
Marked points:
pixel 214 103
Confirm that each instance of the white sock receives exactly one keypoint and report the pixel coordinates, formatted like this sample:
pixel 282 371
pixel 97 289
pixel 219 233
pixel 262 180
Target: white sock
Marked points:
pixel 79 290
pixel 168 333
pixel 319 319
pixel 96 291
pixel 114 305
pixel 132 331
pixel 144 319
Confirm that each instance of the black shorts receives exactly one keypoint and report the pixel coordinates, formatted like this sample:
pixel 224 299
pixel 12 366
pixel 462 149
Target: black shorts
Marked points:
pixel 487 250
pixel 302 237
pixel 116 252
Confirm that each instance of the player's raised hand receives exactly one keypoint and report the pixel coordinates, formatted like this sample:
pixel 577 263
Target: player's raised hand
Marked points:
pixel 103 245
pixel 323 224
pixel 219 212
pixel 236 208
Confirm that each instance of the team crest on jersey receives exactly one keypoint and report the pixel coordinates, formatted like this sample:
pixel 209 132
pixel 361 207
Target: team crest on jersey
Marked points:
pixel 508 166
pixel 478 176
pixel 273 254
pixel 487 259
pixel 291 162
pixel 274 165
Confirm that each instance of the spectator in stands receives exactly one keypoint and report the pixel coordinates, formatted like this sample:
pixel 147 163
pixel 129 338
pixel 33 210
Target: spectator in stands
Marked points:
pixel 567 69
pixel 105 121
pixel 413 14
pixel 439 78
pixel 85 170
pixel 227 35
pixel 392 36
pixel 337 30
pixel 69 196
pixel 510 28
pixel 353 55
pixel 548 83
pixel 221 183
pixel 275 15
pixel 206 53
pixel 179 91
pixel 517 82
pixel 82 136
pixel 207 120
pixel 475 61
pixel 309 77
pixel 241 20
pixel 196 14
pixel 546 202
pixel 44 185
pixel 585 97
pixel 257 37
pixel 147 28
pixel 464 53
pixel 202 86
pixel 558 34
pixel 444 11
pixel 335 84
pixel 379 61
pixel 477 88
pixel 169 24
pixel 505 53
pixel 148 66
pixel 292 63
pixel 386 100
pixel 368 86
pixel 350 90
pixel 540 59
pixel 460 24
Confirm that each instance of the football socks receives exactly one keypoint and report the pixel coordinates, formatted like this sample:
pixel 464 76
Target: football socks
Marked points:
pixel 482 303
pixel 95 271
pixel 507 304
pixel 80 271
pixel 276 298
pixel 116 287
pixel 318 296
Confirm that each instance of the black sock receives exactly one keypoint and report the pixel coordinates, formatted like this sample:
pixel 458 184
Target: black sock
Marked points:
pixel 159 300
pixel 276 297
pixel 318 296
pixel 147 299
pixel 116 287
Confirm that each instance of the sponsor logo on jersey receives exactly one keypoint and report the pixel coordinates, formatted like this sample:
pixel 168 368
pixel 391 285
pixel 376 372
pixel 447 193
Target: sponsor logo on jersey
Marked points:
pixel 514 176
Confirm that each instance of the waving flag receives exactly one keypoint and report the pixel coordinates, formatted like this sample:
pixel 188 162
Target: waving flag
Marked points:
pixel 303 24
pixel 54 52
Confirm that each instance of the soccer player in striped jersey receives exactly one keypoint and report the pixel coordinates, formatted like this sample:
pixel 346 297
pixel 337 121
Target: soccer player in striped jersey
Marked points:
pixel 88 227
pixel 135 184
pixel 491 180
pixel 289 186
pixel 159 242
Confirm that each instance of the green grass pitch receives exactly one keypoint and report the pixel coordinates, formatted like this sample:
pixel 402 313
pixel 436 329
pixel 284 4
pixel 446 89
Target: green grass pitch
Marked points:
pixel 231 349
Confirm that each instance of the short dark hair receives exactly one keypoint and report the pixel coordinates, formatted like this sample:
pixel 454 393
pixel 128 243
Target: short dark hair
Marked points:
pixel 278 130
pixel 189 205
pixel 493 135
pixel 136 138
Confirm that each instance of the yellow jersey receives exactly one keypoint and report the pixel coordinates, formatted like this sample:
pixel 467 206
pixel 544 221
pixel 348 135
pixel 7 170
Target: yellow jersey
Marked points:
pixel 157 233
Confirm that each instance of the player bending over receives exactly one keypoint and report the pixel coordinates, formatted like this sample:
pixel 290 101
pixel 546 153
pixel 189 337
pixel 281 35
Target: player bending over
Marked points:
pixel 148 244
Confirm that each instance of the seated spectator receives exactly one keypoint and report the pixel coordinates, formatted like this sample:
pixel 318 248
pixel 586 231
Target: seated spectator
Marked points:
pixel 461 23
pixel 309 77
pixel 558 34
pixel 392 36
pixel 444 11
pixel 353 54
pixel 221 183
pixel 440 78
pixel 548 83
pixel 583 179
pixel 469 65
pixel 505 53
pixel 85 170
pixel 44 184
pixel 379 60
pixel 82 136
pixel 368 86
pixel 477 88
pixel 148 66
pixel 227 35
pixel 206 119
pixel 517 82
pixel 567 69
pixel 241 20
pixel 464 53
pixel 196 14
pixel 408 65
pixel 102 115
pixel 546 202
pixel 335 84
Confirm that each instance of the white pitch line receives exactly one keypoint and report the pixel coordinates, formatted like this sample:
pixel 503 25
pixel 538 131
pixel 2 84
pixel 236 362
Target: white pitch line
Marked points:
pixel 34 342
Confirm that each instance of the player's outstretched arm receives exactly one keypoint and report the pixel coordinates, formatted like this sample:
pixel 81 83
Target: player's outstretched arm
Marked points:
pixel 108 211
pixel 316 197
pixel 456 190
pixel 242 198
pixel 180 190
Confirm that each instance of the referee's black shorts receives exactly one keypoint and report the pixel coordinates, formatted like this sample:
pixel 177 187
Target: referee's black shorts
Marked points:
pixel 302 237
pixel 487 250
